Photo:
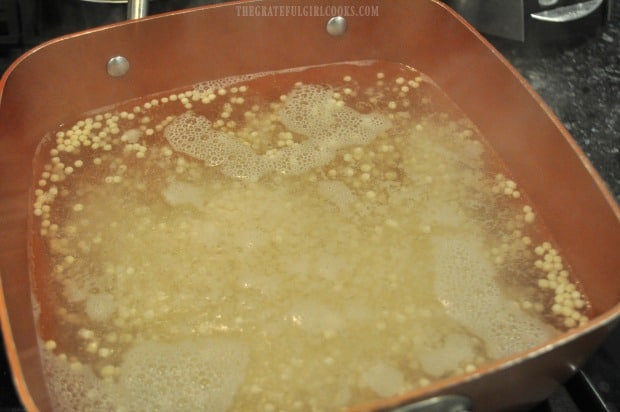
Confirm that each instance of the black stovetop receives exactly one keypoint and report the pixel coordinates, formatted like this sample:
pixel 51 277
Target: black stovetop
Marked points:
pixel 580 81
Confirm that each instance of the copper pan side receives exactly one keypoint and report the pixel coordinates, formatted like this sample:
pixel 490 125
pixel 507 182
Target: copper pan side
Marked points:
pixel 67 77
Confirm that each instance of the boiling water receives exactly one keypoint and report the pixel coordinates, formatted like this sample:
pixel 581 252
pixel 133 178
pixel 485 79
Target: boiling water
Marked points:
pixel 303 240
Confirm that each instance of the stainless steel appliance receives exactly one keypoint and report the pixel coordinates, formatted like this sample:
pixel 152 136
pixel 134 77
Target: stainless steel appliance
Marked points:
pixel 535 20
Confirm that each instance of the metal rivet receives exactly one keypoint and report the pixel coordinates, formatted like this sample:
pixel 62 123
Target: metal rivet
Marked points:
pixel 118 66
pixel 336 26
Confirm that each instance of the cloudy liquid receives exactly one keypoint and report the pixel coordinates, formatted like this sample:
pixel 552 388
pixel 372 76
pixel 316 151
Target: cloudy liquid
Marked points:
pixel 304 240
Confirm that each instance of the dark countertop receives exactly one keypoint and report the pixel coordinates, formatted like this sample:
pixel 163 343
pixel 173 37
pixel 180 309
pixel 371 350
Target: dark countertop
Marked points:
pixel 580 81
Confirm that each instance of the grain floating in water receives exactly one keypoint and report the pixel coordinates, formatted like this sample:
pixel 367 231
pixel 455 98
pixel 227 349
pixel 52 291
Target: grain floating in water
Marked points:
pixel 302 240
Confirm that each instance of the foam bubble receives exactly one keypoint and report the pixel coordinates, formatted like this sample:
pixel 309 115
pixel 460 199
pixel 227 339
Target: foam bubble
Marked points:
pixel 190 134
pixel 236 79
pixel 190 375
pixel 455 349
pixel 308 110
pixel 75 388
pixel 385 380
pixel 213 85
pixel 465 283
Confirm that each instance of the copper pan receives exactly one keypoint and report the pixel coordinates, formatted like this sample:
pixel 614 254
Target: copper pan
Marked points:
pixel 66 77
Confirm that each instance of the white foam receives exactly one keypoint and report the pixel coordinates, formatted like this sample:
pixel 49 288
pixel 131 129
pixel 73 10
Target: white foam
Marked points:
pixel 308 110
pixel 75 388
pixel 385 380
pixel 311 111
pixel 194 375
pixel 454 350
pixel 190 375
pixel 213 85
pixel 232 80
pixel 465 283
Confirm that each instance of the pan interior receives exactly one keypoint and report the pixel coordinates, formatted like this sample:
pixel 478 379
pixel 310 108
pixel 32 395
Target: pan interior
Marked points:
pixel 209 246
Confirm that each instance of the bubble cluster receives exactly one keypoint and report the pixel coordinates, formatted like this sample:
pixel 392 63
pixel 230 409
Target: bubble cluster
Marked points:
pixel 463 270
pixel 210 86
pixel 180 376
pixel 312 111
pixel 75 386
pixel 154 376
pixel 327 125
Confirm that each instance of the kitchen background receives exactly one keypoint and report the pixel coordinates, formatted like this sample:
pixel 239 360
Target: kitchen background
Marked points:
pixel 578 76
